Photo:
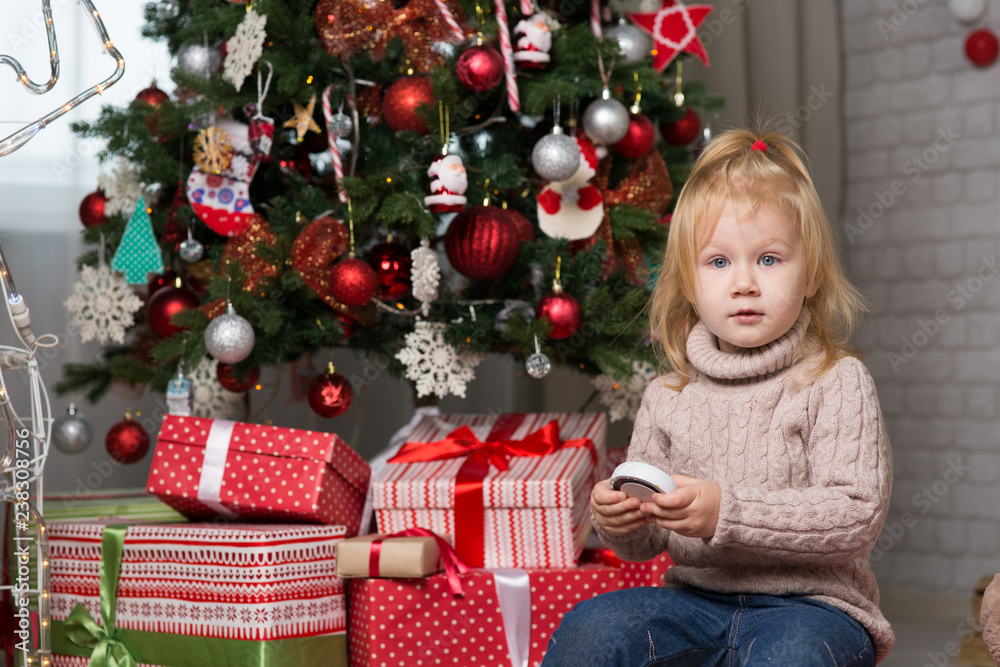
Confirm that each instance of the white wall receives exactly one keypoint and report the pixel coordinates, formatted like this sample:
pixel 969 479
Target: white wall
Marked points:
pixel 922 119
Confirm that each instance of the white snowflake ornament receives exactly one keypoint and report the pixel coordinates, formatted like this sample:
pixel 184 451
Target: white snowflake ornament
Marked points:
pixel 434 365
pixel 425 274
pixel 210 399
pixel 122 188
pixel 102 305
pixel 623 397
pixel 244 49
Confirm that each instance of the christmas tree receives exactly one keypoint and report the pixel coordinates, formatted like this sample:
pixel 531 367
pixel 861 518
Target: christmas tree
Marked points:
pixel 426 181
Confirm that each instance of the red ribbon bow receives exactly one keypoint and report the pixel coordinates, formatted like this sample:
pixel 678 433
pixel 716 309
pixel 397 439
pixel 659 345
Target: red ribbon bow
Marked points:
pixel 453 564
pixel 497 449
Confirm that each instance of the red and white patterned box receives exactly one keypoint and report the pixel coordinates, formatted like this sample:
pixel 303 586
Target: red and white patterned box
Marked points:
pixel 204 468
pixel 535 514
pixel 257 583
pixel 418 622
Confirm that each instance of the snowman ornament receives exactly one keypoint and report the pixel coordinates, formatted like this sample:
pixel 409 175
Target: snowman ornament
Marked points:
pixel 573 209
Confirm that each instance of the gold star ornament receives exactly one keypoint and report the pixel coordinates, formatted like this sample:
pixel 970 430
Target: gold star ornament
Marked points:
pixel 303 120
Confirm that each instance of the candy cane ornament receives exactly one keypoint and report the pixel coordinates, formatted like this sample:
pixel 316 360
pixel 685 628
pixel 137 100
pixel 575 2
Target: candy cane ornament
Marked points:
pixel 338 165
pixel 449 18
pixel 513 99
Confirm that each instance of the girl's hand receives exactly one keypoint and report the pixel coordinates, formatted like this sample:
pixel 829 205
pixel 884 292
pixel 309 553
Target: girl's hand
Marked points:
pixel 692 510
pixel 614 511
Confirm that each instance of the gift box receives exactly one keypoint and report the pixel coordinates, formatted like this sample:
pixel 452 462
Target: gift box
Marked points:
pixel 205 468
pixel 399 557
pixel 633 574
pixel 510 490
pixel 417 622
pixel 197 595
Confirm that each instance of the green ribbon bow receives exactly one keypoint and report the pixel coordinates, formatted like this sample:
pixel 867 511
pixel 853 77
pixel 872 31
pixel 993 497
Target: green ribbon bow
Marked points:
pixel 82 629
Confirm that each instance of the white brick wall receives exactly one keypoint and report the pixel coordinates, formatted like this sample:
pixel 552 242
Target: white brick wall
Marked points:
pixel 923 165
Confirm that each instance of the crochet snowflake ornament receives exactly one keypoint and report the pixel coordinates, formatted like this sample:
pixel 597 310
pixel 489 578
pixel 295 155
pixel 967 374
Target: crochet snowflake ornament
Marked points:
pixel 434 365
pixel 210 399
pixel 425 274
pixel 102 306
pixel 122 188
pixel 623 397
pixel 244 49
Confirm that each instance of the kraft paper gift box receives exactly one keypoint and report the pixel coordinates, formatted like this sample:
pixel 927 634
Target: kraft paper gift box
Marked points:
pixel 391 556
pixel 421 622
pixel 204 468
pixel 523 485
pixel 197 595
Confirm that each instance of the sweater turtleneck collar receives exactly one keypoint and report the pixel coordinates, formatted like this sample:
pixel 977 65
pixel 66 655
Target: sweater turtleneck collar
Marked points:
pixel 704 353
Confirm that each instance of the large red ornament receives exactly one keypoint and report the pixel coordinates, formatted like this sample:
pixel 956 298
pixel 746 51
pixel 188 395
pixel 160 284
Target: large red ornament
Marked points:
pixel 399 106
pixel 166 303
pixel 127 441
pixel 230 380
pixel 480 69
pixel 352 282
pixel 392 264
pixel 981 47
pixel 330 394
pixel 682 132
pixel 92 210
pixel 563 313
pixel 639 138
pixel 482 243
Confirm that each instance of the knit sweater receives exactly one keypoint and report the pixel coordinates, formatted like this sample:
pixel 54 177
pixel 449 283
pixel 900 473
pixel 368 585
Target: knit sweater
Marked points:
pixel 805 471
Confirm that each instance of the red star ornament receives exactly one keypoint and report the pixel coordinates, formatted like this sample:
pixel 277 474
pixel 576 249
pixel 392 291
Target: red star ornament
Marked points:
pixel 674 28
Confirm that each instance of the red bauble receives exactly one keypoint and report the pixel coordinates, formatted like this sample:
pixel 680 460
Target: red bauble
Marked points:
pixel 480 68
pixel 482 243
pixel 157 282
pixel 525 230
pixel 330 394
pixel 981 47
pixel 229 379
pixel 399 106
pixel 127 441
pixel 639 138
pixel 352 282
pixel 563 313
pixel 152 96
pixel 392 263
pixel 92 209
pixel 682 132
pixel 166 303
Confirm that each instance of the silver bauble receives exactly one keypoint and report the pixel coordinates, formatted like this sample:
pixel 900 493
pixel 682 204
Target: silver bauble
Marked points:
pixel 229 338
pixel 634 43
pixel 556 156
pixel 967 11
pixel 340 125
pixel 191 250
pixel 538 365
pixel 72 432
pixel 344 147
pixel 199 59
pixel 168 9
pixel 606 121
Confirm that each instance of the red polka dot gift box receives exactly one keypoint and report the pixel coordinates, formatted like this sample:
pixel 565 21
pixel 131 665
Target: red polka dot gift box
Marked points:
pixel 509 490
pixel 421 622
pixel 206 468
pixel 194 595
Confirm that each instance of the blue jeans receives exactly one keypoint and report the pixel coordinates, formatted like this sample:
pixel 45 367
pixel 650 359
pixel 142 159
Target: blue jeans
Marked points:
pixel 687 627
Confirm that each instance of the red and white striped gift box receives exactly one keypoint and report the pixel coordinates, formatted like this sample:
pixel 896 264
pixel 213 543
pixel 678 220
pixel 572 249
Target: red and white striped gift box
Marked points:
pixel 261 472
pixel 260 583
pixel 535 514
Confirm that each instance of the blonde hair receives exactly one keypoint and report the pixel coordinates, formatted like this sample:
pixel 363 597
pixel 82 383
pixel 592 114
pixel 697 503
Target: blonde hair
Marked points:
pixel 730 171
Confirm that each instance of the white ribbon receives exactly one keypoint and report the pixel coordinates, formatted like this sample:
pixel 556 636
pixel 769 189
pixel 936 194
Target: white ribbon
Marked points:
pixel 213 467
pixel 514 595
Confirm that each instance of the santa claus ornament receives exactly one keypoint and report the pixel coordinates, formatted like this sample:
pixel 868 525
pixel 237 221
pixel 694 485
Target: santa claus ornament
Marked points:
pixel 573 209
pixel 446 192
pixel 534 41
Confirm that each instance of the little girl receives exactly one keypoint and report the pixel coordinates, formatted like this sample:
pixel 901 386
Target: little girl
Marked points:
pixel 771 427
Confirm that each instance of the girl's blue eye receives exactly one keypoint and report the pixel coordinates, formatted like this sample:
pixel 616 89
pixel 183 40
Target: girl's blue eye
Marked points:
pixel 715 263
pixel 769 257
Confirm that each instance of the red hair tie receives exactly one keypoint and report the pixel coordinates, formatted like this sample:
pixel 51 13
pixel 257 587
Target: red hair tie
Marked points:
pixel 759 146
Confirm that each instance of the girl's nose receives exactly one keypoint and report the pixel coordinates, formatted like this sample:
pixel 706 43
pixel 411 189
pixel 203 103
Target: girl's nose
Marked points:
pixel 743 281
